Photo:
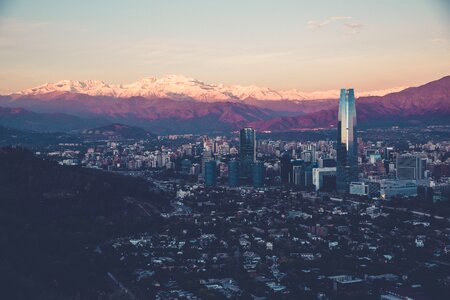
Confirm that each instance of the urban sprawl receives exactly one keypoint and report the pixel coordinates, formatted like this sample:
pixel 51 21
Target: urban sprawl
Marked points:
pixel 258 217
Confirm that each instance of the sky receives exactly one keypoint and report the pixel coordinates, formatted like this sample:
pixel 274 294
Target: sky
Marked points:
pixel 281 44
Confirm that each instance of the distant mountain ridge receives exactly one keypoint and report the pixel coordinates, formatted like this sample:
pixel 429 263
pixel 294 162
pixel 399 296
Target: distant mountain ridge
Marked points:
pixel 156 115
pixel 20 118
pixel 119 131
pixel 426 104
pixel 179 87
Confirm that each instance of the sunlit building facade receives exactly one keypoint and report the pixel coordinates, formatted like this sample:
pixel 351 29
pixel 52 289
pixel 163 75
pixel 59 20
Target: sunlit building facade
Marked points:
pixel 347 145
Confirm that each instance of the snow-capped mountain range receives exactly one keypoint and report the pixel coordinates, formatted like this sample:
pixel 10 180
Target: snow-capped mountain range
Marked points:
pixel 179 87
pixel 61 107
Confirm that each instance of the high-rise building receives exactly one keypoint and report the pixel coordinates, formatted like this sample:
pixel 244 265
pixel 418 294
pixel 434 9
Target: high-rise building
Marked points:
pixel 324 178
pixel 326 162
pixel 233 173
pixel 186 165
pixel 298 176
pixel 286 167
pixel 347 145
pixel 206 156
pixel 297 172
pixel 410 167
pixel 309 175
pixel 247 151
pixel 195 169
pixel 210 173
pixel 388 153
pixel 258 174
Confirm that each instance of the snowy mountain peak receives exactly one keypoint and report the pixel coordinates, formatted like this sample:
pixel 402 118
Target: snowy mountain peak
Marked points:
pixel 90 87
pixel 177 78
pixel 180 87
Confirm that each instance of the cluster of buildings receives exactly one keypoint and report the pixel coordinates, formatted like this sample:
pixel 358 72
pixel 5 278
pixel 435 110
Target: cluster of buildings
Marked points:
pixel 346 164
pixel 280 243
pixel 243 169
pixel 370 169
pixel 376 171
pixel 380 171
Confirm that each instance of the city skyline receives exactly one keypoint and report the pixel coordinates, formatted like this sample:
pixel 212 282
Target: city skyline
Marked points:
pixel 224 149
pixel 293 45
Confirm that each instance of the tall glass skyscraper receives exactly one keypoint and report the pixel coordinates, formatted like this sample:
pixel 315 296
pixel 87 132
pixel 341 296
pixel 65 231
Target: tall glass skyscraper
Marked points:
pixel 210 173
pixel 233 173
pixel 347 144
pixel 258 174
pixel 247 152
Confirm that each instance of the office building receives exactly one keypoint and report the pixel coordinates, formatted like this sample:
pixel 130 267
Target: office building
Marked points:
pixel 286 167
pixel 298 176
pixel 324 178
pixel 195 169
pixel 247 152
pixel 186 165
pixel 367 188
pixel 309 175
pixel 347 145
pixel 410 167
pixel 210 173
pixel 233 173
pixel 326 162
pixel 207 156
pixel 297 165
pixel 258 174
pixel 397 188
pixel 388 153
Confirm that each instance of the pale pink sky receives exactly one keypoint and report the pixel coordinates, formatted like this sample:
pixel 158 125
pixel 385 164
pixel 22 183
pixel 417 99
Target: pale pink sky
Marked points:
pixel 308 45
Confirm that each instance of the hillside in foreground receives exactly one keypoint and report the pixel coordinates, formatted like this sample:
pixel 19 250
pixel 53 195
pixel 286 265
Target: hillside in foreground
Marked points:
pixel 52 219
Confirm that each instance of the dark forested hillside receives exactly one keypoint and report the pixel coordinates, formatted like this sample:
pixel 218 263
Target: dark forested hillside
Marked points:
pixel 52 218
pixel 33 139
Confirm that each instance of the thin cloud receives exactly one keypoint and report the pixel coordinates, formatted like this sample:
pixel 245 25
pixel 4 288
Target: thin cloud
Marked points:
pixel 354 27
pixel 438 40
pixel 340 18
pixel 316 25
pixel 321 24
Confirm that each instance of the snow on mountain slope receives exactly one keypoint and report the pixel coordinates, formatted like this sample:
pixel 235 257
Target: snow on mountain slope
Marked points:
pixel 90 87
pixel 179 87
pixel 382 92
